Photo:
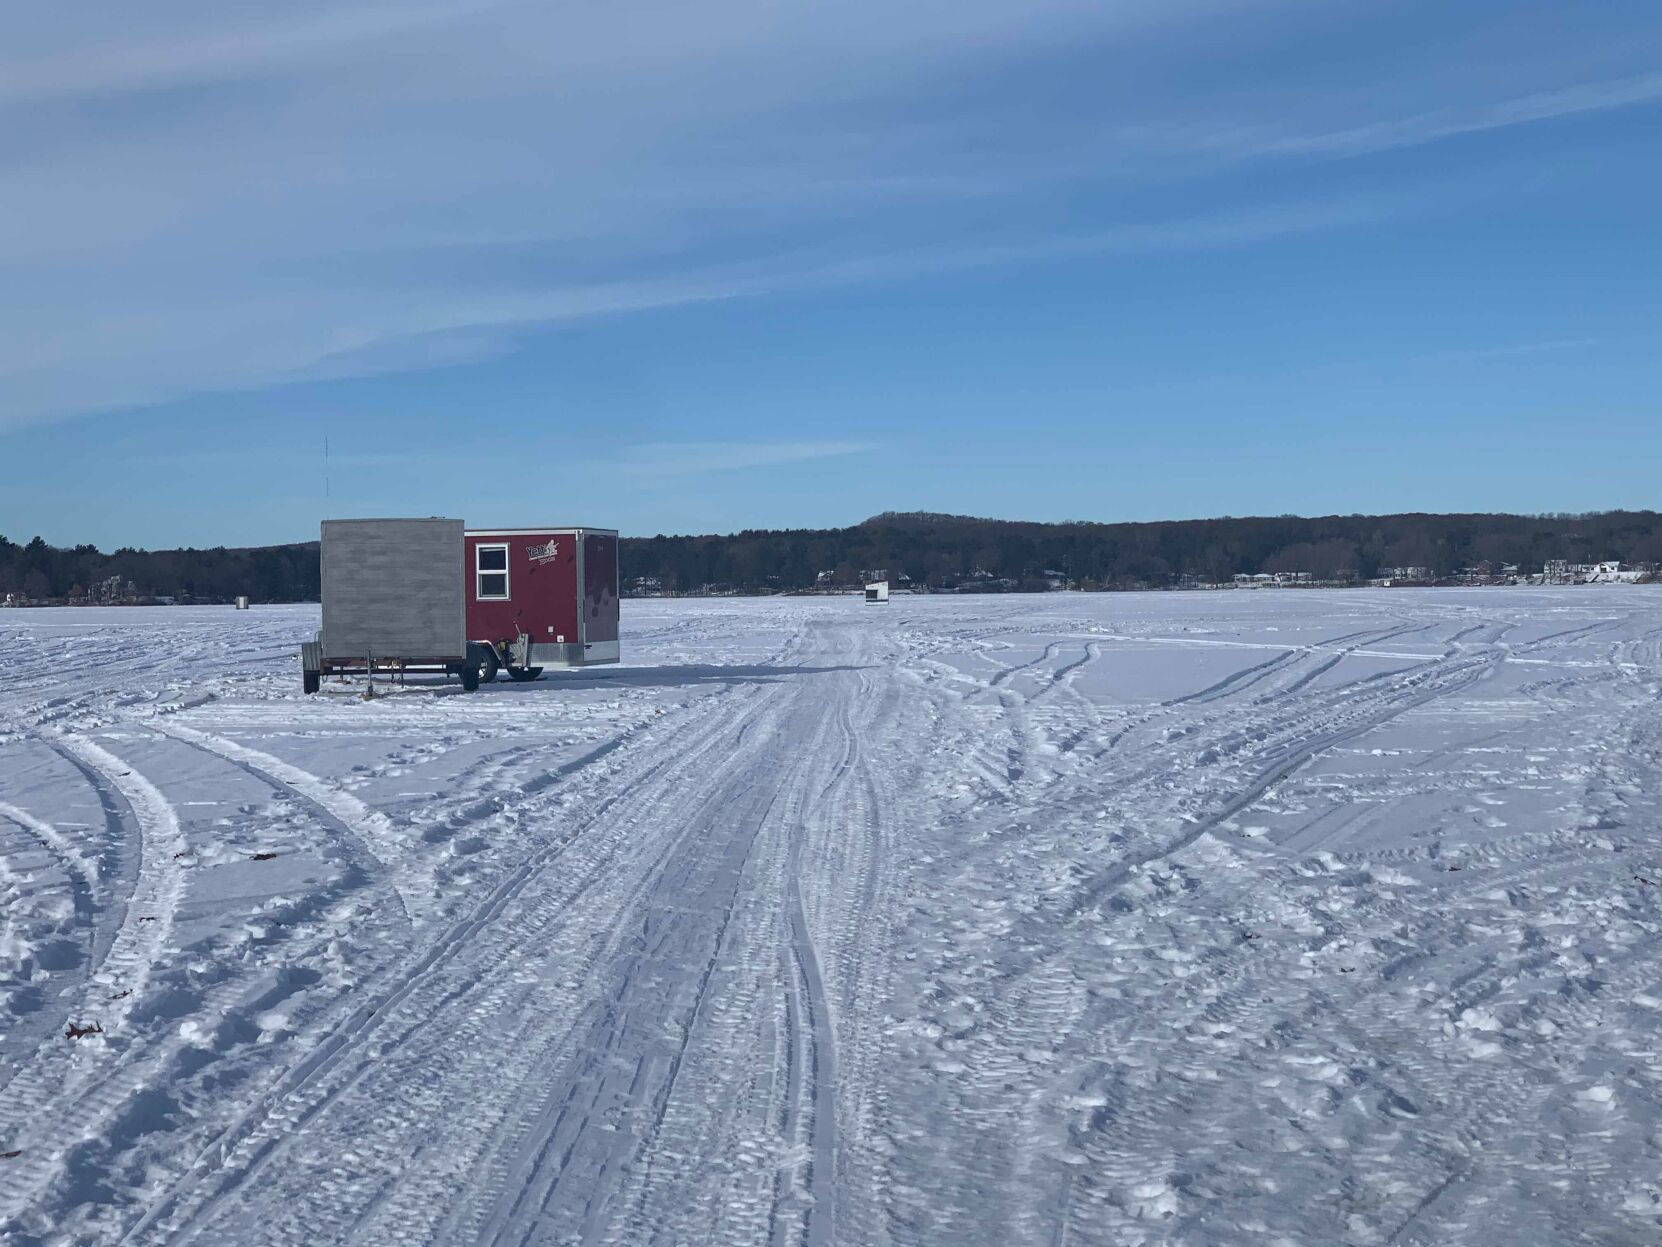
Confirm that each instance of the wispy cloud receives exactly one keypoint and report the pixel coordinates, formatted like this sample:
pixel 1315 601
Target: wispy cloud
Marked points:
pixel 274 341
pixel 1445 123
pixel 197 198
pixel 677 459
pixel 116 62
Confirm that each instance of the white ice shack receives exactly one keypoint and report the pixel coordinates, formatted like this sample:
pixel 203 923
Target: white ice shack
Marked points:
pixel 878 592
pixel 242 603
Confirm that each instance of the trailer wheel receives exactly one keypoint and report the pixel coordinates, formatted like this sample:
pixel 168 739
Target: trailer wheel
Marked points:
pixel 489 664
pixel 470 678
pixel 311 681
pixel 524 674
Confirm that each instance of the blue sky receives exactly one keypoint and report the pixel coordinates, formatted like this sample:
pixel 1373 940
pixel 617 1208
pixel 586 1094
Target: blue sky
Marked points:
pixel 695 268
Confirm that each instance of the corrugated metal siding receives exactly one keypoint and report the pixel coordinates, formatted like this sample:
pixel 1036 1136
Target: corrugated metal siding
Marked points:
pixel 393 589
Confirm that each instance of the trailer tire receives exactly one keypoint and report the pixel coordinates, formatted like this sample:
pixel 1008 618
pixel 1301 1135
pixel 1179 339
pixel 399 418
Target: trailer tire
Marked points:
pixel 311 681
pixel 470 678
pixel 524 674
pixel 489 664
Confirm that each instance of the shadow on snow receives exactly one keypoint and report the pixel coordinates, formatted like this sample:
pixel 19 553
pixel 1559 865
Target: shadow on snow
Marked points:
pixel 661 677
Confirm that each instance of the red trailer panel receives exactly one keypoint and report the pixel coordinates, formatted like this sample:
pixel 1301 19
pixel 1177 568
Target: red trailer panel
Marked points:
pixel 551 592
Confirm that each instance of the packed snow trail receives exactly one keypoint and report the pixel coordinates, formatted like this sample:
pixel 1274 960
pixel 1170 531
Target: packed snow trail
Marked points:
pixel 1256 917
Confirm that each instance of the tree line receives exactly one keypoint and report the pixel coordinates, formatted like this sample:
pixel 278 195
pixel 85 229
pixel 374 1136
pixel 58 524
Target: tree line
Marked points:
pixel 938 551
pixel 38 571
pixel 949 551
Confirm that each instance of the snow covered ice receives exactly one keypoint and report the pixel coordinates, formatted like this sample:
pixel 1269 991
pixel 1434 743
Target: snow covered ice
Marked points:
pixel 1232 918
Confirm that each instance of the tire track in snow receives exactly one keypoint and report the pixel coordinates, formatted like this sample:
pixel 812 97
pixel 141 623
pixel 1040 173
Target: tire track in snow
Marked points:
pixel 570 1166
pixel 1281 764
pixel 1092 651
pixel 32 1033
pixel 1305 732
pixel 71 1093
pixel 1251 1000
pixel 143 934
pixel 124 845
pixel 83 873
pixel 669 871
pixel 1238 680
pixel 1009 673
pixel 387 848
pixel 401 1004
pixel 848 880
pixel 1224 746
pixel 1487 1105
pixel 814 1054
pixel 28 1035
pixel 1368 639
pixel 652 1152
pixel 124 842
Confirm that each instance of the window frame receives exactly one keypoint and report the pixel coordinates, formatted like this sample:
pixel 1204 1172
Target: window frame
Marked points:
pixel 479 573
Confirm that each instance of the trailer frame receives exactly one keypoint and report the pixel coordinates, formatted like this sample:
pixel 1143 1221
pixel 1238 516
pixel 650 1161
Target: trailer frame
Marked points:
pixel 314 666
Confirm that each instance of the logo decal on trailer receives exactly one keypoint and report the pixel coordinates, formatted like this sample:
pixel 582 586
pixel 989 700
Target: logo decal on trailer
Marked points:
pixel 543 553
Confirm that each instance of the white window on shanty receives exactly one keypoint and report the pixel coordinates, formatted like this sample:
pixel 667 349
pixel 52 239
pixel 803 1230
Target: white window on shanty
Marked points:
pixel 490 573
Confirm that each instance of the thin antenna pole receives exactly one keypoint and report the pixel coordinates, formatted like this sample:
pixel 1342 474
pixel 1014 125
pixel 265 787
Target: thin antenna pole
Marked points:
pixel 326 468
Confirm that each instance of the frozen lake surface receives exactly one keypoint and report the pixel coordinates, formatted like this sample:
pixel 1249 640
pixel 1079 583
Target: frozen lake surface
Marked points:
pixel 1233 918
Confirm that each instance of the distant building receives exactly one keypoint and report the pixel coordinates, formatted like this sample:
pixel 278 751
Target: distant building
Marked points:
pixel 1606 571
pixel 1612 571
pixel 115 591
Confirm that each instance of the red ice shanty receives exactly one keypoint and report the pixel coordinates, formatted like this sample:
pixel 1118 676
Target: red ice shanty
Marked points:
pixel 542 597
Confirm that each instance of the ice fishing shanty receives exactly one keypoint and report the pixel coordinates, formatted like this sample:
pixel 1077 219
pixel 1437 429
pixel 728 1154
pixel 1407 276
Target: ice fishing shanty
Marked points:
pixel 427 595
pixel 542 597
pixel 392 601
pixel 877 593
